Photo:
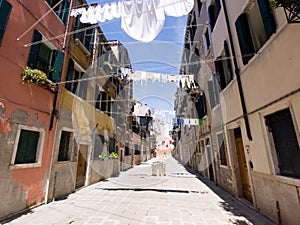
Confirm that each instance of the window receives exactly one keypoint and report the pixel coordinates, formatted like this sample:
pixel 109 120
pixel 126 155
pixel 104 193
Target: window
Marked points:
pixel 222 150
pixel 42 57
pixel 201 106
pixel 213 90
pixel 98 146
pixel 280 125
pixel 223 68
pixel 85 36
pixel 213 13
pixel 199 6
pixel 254 27
pixel 61 9
pixel 137 149
pixel 111 145
pixel 72 76
pixel 65 146
pixel 206 40
pixel 127 149
pixel 28 145
pixel 5 9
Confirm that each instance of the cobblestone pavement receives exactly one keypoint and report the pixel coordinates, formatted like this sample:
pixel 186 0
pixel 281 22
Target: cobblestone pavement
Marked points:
pixel 137 197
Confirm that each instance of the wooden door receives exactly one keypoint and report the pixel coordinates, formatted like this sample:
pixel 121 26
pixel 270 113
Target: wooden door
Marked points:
pixel 81 166
pixel 243 168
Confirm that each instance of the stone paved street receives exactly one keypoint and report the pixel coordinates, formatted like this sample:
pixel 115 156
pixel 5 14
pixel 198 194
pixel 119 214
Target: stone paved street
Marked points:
pixel 137 197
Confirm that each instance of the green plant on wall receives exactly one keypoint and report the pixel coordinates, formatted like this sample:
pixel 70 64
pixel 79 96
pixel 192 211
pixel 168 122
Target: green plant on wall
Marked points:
pixel 37 77
pixel 103 156
pixel 113 155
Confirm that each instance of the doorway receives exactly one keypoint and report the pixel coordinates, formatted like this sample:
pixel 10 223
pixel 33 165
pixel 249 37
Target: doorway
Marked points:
pixel 242 164
pixel 81 166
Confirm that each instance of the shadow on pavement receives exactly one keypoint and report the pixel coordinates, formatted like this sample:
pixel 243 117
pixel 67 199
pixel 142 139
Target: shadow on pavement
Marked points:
pixel 242 209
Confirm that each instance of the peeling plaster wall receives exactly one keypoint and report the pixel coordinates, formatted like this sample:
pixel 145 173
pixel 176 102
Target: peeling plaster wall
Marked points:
pixel 22 187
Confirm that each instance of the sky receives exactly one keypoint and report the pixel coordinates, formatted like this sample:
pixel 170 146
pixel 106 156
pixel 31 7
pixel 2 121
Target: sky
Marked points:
pixel 162 55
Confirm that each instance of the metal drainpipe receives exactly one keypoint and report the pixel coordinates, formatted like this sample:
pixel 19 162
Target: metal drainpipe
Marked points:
pixel 54 111
pixel 237 73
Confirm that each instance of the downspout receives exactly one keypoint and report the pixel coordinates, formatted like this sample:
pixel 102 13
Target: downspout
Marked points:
pixel 54 111
pixel 237 73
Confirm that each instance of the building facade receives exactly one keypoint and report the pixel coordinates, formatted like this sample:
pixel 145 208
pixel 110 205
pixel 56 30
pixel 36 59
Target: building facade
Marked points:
pixel 32 57
pixel 256 139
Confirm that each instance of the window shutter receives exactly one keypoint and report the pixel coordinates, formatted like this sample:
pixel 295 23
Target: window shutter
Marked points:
pixel 34 49
pixel 57 62
pixel 27 147
pixel 220 72
pixel 267 17
pixel 5 9
pixel 217 8
pixel 65 11
pixel 228 60
pixel 244 37
pixel 211 16
pixel 211 94
pixel 201 106
pixel 70 74
pixel 77 26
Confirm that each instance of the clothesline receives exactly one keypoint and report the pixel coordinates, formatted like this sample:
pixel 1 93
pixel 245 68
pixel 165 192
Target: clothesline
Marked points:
pixel 141 20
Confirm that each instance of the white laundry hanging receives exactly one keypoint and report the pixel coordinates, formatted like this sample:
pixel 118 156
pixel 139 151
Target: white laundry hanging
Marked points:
pixel 177 8
pixel 140 19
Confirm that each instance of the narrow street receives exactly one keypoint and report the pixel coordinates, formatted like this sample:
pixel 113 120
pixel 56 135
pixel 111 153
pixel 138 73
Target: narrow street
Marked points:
pixel 137 197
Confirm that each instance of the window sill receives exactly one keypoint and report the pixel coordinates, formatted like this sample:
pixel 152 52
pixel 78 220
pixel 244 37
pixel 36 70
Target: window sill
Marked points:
pixel 288 180
pixel 25 166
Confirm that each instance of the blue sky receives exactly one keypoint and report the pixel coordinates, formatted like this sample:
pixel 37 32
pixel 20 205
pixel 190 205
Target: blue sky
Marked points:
pixel 162 55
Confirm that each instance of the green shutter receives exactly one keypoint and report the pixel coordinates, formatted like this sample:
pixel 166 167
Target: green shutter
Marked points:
pixel 57 62
pixel 267 17
pixel 244 37
pixel 34 49
pixel 65 11
pixel 5 9
pixel 27 147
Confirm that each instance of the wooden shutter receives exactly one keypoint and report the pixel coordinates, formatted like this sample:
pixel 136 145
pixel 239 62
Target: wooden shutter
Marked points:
pixel 77 26
pixel 245 38
pixel 228 61
pixel 5 9
pixel 286 143
pixel 65 11
pixel 267 17
pixel 220 72
pixel 201 106
pixel 57 63
pixel 34 49
pixel 64 145
pixel 217 8
pixel 211 93
pixel 211 16
pixel 27 147
pixel 70 74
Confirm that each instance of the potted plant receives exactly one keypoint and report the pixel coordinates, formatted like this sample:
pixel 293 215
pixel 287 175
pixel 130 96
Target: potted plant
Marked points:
pixel 38 77
pixel 113 155
pixel 103 156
